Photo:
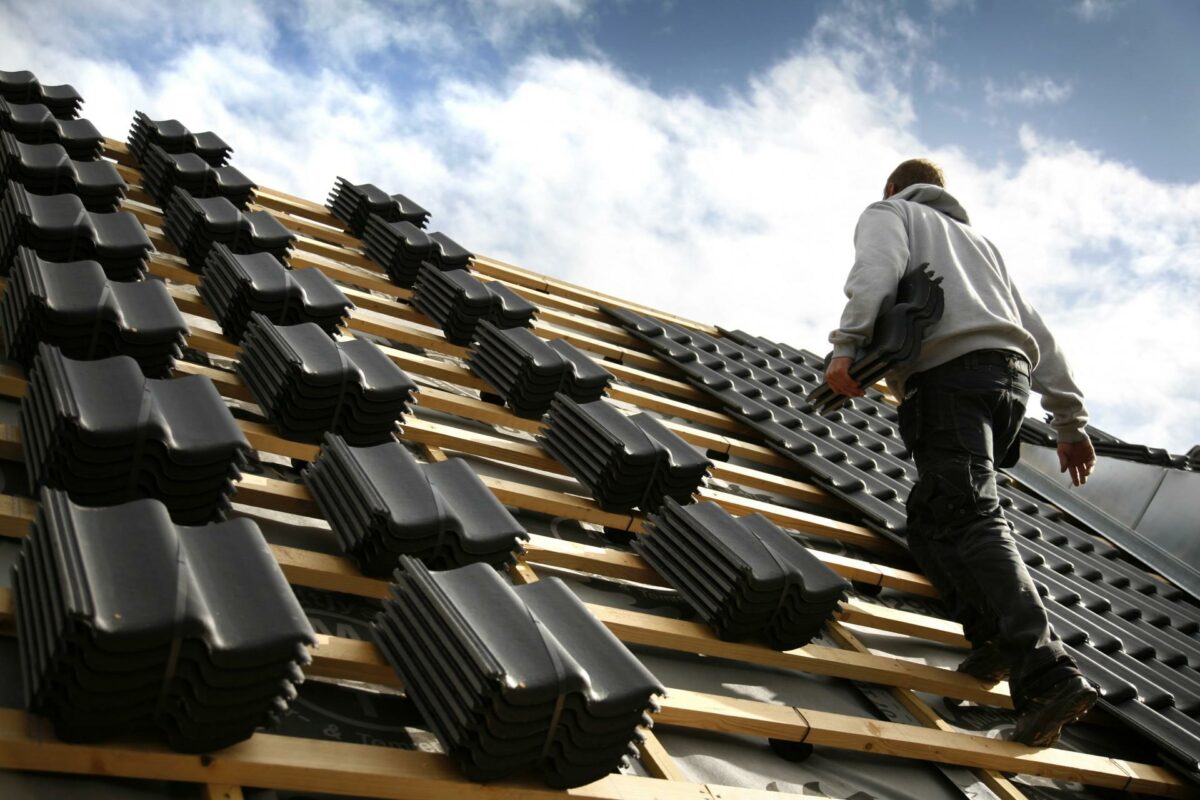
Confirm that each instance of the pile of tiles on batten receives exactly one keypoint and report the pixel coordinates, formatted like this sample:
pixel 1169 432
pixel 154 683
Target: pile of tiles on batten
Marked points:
pixel 624 461
pixel 528 371
pixel 307 383
pixel 195 224
pixel 237 285
pixel 512 678
pixel 163 171
pixel 34 123
pixel 458 301
pixel 127 623
pixel 896 338
pixel 48 169
pixel 745 576
pixel 106 434
pixel 60 228
pixel 174 137
pixel 398 247
pixel 382 504
pixel 86 316
pixel 23 86
pixel 354 204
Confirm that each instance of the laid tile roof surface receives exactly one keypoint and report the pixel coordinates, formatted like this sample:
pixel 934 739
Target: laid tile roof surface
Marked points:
pixel 1117 618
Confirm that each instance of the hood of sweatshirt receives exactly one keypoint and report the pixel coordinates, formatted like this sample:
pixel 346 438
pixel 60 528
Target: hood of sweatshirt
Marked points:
pixel 935 197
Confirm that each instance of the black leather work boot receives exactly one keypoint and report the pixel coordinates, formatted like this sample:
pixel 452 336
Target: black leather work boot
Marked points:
pixel 1042 719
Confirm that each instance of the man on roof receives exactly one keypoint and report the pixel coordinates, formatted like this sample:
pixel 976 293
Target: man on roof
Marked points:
pixel 962 403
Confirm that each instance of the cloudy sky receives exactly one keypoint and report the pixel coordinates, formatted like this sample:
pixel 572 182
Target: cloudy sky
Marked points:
pixel 712 157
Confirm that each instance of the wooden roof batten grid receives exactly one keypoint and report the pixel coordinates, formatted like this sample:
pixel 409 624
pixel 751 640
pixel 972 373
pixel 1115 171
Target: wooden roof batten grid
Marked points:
pixel 573 310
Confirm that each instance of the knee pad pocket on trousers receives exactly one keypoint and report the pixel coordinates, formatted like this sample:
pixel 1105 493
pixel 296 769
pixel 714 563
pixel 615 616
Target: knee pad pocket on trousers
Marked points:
pixel 953 501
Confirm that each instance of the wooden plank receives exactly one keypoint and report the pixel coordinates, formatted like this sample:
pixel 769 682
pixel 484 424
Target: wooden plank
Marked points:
pixel 304 765
pixel 307 227
pixel 926 716
pixel 731 715
pixel 804 522
pixel 499 269
pixel 747 717
pixel 222 791
pixel 297 205
pixel 633 627
pixel 882 618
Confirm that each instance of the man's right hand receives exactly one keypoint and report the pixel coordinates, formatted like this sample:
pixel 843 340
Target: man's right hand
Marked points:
pixel 838 378
pixel 1077 457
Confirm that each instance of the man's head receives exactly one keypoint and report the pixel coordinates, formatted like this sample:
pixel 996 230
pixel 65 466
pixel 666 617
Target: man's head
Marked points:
pixel 915 170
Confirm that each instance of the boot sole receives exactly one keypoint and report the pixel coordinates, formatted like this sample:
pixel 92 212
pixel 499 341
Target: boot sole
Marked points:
pixel 1075 708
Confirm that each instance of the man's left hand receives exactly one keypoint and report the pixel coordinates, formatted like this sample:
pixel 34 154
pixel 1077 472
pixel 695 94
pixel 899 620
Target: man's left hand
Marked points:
pixel 838 378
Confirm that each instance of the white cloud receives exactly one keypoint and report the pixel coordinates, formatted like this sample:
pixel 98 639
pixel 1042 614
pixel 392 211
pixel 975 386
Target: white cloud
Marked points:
pixel 1092 10
pixel 739 212
pixel 501 21
pixel 1035 91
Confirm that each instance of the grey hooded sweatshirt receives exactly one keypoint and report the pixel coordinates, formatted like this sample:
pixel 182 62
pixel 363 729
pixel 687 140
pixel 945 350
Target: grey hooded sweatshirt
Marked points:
pixel 983 311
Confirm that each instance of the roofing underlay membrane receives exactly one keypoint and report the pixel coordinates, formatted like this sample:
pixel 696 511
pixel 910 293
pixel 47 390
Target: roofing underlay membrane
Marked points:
pixel 897 619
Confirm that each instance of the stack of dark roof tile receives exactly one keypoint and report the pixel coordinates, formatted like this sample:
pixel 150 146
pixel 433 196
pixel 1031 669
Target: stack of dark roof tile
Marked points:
pixel 75 308
pixel 624 461
pixel 34 123
pixel 457 301
pixel 23 86
pixel 202 647
pixel 173 137
pixel 47 169
pixel 383 504
pixel 1134 635
pixel 104 433
pixel 398 247
pixel 308 384
pixel 448 254
pixel 163 171
pixel 235 286
pixel 528 371
pixel 354 204
pixel 896 338
pixel 59 228
pixel 195 224
pixel 514 678
pixel 745 576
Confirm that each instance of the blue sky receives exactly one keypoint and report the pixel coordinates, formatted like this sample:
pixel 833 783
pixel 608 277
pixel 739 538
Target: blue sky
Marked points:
pixel 712 157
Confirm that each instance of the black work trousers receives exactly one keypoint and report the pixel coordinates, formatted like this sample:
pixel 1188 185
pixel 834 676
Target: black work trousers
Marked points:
pixel 958 420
